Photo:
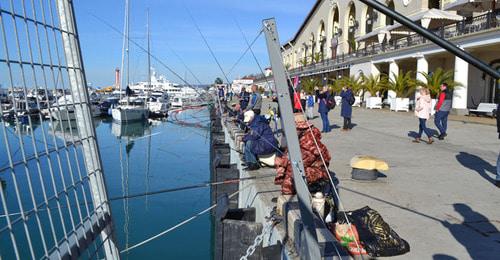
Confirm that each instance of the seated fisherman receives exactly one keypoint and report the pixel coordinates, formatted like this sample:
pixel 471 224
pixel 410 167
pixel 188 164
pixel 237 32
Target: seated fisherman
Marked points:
pixel 258 141
pixel 237 115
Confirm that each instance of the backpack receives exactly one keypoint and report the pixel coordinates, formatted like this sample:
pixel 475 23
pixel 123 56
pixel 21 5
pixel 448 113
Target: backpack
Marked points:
pixel 351 99
pixel 330 102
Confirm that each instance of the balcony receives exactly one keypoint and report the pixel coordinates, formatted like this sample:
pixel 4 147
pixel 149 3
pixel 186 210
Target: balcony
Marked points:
pixel 468 26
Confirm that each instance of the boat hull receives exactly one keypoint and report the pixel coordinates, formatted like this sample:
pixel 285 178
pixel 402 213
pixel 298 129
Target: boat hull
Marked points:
pixel 121 114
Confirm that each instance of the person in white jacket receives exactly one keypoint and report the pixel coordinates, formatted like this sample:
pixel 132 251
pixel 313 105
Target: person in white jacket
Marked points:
pixel 423 112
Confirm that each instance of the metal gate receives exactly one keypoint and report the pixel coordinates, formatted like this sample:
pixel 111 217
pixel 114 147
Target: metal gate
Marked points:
pixel 53 196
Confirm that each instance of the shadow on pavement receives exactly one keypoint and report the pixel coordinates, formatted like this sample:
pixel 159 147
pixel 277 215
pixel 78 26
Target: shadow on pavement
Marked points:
pixel 443 257
pixel 462 231
pixel 477 164
pixel 414 134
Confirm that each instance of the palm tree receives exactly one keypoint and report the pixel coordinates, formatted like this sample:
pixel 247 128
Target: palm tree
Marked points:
pixel 402 84
pixel 317 57
pixel 309 84
pixel 374 84
pixel 303 62
pixel 355 83
pixel 435 79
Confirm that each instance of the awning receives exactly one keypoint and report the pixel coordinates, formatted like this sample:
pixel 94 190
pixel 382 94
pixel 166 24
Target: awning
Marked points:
pixel 468 5
pixel 425 18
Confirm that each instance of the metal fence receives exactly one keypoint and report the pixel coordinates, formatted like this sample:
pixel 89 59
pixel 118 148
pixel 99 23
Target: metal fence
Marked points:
pixel 53 196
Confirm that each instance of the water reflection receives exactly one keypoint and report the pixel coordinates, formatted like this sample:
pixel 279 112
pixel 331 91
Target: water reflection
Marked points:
pixel 130 131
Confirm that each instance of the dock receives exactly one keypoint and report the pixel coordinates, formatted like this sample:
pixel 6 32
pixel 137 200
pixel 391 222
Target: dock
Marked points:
pixel 440 197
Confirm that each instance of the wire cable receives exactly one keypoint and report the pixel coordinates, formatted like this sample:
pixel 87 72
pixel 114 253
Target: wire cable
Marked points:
pixel 180 224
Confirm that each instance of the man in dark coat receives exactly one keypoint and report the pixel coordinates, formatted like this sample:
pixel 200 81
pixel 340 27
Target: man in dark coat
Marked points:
pixel 258 141
pixel 323 109
pixel 346 109
pixel 497 181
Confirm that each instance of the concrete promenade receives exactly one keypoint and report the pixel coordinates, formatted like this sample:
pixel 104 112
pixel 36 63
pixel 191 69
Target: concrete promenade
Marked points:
pixel 440 197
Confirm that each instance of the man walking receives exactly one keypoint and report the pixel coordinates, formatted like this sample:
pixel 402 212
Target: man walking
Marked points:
pixel 443 108
pixel 255 101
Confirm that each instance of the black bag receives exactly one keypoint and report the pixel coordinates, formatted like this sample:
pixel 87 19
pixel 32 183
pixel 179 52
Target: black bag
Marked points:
pixel 375 234
pixel 352 100
pixel 330 102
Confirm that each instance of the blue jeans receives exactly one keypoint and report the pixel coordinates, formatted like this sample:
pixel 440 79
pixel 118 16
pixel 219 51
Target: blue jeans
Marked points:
pixel 326 123
pixel 249 157
pixel 441 121
pixel 423 128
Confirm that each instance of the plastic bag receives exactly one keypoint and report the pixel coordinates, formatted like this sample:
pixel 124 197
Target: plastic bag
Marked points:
pixel 375 234
pixel 348 237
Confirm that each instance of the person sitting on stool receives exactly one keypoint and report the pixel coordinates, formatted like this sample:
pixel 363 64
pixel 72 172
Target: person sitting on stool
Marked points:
pixel 258 141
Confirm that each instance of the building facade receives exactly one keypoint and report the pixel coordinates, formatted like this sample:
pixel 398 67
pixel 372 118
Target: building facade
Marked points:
pixel 345 37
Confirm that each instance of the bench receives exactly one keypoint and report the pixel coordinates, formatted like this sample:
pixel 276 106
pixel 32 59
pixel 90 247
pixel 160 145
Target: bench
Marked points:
pixel 486 108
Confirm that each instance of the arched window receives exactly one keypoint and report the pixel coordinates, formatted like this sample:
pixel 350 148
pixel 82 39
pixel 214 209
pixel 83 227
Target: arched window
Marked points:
pixel 369 20
pixel 433 4
pixel 352 26
pixel 388 19
pixel 322 39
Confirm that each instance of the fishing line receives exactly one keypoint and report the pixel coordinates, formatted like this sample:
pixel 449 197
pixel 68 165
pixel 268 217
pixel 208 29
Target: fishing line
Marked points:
pixel 161 191
pixel 140 47
pixel 245 52
pixel 206 43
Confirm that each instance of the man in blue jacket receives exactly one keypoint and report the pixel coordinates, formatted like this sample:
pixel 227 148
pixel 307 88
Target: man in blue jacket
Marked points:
pixel 258 141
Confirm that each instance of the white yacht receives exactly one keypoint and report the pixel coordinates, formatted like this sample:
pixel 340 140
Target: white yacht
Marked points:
pixel 64 109
pixel 159 83
pixel 130 109
pixel 158 103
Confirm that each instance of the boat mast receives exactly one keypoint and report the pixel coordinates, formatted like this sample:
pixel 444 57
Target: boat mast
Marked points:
pixel 124 46
pixel 127 18
pixel 149 56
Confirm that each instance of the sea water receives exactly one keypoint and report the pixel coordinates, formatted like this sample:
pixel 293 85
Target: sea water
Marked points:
pixel 137 158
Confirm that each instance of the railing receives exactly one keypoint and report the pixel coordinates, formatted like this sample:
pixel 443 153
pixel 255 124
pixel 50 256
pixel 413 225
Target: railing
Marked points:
pixel 468 26
pixel 53 201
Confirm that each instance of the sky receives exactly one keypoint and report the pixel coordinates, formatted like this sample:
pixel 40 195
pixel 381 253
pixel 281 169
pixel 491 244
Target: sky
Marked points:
pixel 174 35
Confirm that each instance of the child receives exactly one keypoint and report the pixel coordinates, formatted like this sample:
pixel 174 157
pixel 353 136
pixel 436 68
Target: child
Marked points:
pixel 310 106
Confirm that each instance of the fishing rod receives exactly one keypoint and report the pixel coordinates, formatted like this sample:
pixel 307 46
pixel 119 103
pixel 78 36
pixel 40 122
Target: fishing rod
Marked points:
pixel 169 190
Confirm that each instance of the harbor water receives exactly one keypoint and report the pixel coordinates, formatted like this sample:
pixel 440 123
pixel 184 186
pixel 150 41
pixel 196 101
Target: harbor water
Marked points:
pixel 137 158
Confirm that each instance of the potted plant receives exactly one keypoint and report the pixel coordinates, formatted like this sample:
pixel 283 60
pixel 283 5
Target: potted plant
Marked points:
pixel 434 80
pixel 374 85
pixel 316 57
pixel 403 85
pixel 303 62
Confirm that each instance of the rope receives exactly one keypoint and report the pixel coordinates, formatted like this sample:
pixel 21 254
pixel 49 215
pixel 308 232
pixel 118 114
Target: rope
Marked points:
pixel 180 224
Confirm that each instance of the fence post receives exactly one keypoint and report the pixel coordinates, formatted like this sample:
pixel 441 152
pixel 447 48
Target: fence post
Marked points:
pixel 78 85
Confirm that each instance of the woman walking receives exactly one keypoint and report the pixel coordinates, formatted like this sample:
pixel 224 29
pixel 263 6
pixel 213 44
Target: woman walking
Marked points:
pixel 423 111
pixel 346 108
pixel 324 109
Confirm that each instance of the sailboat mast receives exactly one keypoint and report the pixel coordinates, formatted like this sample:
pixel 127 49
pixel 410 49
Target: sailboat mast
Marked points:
pixel 127 18
pixel 149 54
pixel 124 47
